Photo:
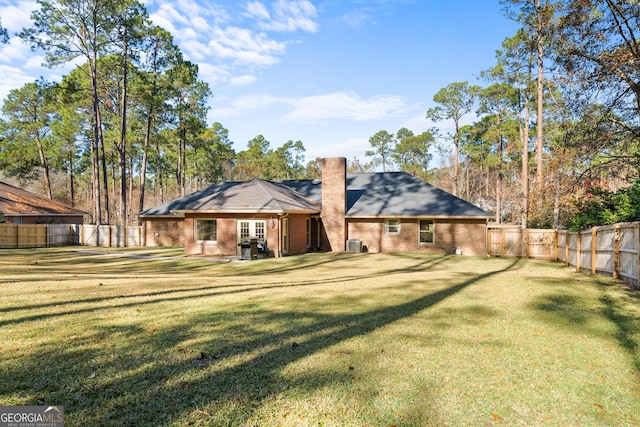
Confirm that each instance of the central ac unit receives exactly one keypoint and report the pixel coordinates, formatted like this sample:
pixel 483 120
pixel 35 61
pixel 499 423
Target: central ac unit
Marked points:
pixel 354 245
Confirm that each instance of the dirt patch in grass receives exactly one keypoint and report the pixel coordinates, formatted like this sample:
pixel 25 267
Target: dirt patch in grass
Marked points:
pixel 319 339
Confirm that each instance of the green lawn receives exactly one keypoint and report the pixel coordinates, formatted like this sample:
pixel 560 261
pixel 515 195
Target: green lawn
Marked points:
pixel 315 340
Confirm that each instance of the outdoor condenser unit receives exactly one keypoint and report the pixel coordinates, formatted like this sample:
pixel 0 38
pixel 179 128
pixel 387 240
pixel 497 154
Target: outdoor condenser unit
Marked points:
pixel 354 245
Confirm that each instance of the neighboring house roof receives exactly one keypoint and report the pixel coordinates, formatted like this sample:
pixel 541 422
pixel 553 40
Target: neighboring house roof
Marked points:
pixel 385 194
pixel 252 196
pixel 15 201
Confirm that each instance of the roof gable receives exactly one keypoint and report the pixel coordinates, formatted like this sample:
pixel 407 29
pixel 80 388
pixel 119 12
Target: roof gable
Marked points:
pixel 251 196
pixel 254 195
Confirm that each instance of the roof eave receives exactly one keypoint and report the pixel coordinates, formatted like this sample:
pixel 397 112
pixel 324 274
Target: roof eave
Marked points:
pixel 44 214
pixel 378 216
pixel 246 210
pixel 171 215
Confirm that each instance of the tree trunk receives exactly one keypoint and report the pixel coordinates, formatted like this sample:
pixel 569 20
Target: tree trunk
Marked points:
pixel 525 168
pixel 104 168
pixel 130 179
pixel 456 143
pixel 95 144
pixel 72 190
pixel 143 165
pixel 45 166
pixel 540 106
pixel 122 147
pixel 159 171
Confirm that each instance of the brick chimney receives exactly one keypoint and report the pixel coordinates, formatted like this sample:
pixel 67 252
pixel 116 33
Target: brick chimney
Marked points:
pixel 334 201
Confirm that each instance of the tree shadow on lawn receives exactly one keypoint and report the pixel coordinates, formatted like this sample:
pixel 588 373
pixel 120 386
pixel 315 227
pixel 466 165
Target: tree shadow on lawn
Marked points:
pixel 186 293
pixel 102 263
pixel 573 307
pixel 177 375
pixel 627 324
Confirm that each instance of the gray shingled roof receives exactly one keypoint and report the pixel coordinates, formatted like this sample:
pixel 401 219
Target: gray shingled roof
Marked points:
pixel 252 196
pixel 389 194
pixel 386 194
pixel 399 194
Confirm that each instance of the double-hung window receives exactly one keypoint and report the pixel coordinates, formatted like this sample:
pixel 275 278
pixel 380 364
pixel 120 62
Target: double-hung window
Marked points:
pixel 206 230
pixel 426 231
pixel 392 226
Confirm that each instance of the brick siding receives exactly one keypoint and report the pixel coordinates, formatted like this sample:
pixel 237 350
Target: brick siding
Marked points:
pixel 468 235
pixel 334 201
pixel 163 232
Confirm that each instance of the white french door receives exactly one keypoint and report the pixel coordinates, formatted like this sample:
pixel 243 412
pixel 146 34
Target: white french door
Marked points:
pixel 251 229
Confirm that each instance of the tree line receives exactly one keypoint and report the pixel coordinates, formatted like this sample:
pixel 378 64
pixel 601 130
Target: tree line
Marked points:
pixel 549 138
pixel 130 119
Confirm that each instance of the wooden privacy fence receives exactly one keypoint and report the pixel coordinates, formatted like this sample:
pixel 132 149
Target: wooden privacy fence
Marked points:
pixel 611 250
pixel 511 242
pixel 45 235
pixel 111 235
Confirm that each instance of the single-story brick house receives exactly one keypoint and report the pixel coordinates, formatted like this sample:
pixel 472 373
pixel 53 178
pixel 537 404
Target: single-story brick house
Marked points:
pixel 375 212
pixel 19 206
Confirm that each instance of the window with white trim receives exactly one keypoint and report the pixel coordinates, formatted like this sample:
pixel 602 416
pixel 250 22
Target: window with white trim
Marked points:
pixel 426 231
pixel 392 226
pixel 206 230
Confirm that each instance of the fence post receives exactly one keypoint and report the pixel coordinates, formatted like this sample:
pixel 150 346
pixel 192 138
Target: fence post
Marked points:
pixel 594 234
pixel 567 244
pixel 616 251
pixel 578 251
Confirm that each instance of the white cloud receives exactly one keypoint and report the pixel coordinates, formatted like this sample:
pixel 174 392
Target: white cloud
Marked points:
pixel 14 51
pixel 236 52
pixel 34 62
pixel 286 16
pixel 244 80
pixel 17 16
pixel 245 48
pixel 213 74
pixel 357 19
pixel 316 108
pixel 346 106
pixel 348 147
pixel 257 10
pixel 12 78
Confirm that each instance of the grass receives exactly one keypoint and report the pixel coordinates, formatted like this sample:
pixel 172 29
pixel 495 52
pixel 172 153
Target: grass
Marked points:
pixel 315 340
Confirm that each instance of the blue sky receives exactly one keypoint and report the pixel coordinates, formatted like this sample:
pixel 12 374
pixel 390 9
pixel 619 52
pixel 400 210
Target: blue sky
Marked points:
pixel 330 73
